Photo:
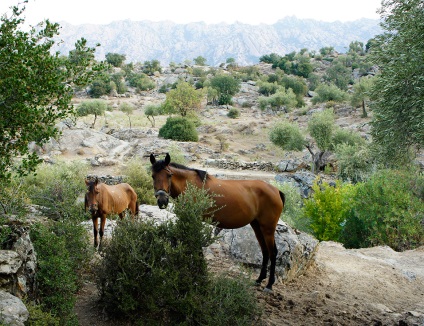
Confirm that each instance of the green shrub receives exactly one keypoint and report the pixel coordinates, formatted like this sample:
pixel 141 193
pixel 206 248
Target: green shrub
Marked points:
pixel 233 113
pixel 389 210
pixel 179 128
pixel 229 302
pixel 327 93
pixel 287 136
pixel 38 317
pixel 328 209
pixel 157 273
pixel 62 254
pixel 344 136
pixel 56 189
pixel 293 211
pixel 141 81
pixel 13 198
pixel 138 176
pixel 353 162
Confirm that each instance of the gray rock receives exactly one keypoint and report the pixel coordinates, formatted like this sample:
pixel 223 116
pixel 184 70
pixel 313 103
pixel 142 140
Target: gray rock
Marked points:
pixel 10 262
pixel 12 310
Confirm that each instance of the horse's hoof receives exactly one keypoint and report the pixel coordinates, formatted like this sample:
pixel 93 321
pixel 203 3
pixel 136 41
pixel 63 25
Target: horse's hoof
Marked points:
pixel 257 283
pixel 267 290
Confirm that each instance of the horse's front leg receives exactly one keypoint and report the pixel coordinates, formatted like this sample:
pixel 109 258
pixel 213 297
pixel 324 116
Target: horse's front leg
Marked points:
pixel 102 226
pixel 95 226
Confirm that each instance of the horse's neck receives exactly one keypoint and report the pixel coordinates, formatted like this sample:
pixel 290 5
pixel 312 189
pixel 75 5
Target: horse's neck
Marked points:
pixel 180 179
pixel 103 189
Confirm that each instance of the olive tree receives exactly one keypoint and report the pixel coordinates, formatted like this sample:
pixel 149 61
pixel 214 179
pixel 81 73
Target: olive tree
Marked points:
pixel 398 100
pixel 227 86
pixel 94 107
pixel 36 88
pixel 184 98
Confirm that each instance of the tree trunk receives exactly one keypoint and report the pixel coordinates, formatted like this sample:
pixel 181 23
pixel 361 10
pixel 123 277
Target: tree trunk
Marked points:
pixel 364 110
pixel 317 160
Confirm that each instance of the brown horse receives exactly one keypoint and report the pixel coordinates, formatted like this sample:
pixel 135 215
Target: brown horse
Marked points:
pixel 238 203
pixel 102 200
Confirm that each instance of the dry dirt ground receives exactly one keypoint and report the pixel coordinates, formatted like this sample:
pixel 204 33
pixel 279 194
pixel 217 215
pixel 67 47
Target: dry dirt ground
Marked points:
pixel 374 286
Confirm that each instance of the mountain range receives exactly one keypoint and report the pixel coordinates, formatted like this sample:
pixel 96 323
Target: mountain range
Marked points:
pixel 167 41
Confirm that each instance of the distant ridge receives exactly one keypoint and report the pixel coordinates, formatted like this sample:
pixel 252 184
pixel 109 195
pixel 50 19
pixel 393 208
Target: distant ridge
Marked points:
pixel 171 42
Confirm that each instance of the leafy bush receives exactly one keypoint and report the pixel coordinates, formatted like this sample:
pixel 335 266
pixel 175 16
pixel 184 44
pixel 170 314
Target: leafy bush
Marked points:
pixel 157 273
pixel 229 302
pixel 233 113
pixel 62 254
pixel 141 81
pixel 388 211
pixel 179 128
pixel 353 162
pixel 344 136
pixel 139 178
pixel 56 189
pixel 13 198
pixel 287 136
pixel 283 99
pixel 327 93
pixel 38 317
pixel 328 209
pixel 293 209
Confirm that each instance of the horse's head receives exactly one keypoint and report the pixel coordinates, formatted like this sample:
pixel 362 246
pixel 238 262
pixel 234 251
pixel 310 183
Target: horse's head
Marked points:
pixel 161 175
pixel 91 196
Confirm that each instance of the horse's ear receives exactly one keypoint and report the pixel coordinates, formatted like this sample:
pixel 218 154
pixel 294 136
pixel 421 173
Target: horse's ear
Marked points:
pixel 152 159
pixel 86 182
pixel 167 159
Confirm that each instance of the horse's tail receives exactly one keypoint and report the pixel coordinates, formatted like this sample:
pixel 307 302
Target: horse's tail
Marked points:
pixel 85 203
pixel 137 209
pixel 283 198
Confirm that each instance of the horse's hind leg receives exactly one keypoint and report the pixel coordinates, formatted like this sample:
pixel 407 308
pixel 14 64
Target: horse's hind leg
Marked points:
pixel 273 255
pixel 265 254
pixel 272 249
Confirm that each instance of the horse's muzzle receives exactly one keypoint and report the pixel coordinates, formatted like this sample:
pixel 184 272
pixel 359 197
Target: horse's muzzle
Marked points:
pixel 162 198
pixel 93 209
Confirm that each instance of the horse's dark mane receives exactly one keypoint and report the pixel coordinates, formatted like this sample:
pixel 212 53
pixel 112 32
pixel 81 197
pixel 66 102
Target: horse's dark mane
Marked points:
pixel 160 165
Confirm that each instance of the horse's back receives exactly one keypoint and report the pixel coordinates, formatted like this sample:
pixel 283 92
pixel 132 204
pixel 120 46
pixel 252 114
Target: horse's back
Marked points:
pixel 244 201
pixel 121 196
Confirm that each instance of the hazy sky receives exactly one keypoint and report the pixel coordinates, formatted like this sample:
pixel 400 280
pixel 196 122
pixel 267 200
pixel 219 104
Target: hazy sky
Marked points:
pixel 185 11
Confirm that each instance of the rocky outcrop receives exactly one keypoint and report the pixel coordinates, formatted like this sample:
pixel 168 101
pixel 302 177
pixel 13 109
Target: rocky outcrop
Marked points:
pixel 17 274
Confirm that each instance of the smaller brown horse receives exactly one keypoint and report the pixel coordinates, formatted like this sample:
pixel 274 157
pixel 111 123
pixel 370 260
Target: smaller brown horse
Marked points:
pixel 239 202
pixel 102 200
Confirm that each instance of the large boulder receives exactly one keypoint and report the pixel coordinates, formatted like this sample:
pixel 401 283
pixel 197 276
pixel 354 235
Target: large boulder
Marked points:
pixel 295 249
pixel 12 310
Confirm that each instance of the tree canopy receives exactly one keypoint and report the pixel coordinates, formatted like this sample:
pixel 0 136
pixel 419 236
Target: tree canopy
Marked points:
pixel 398 117
pixel 36 89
